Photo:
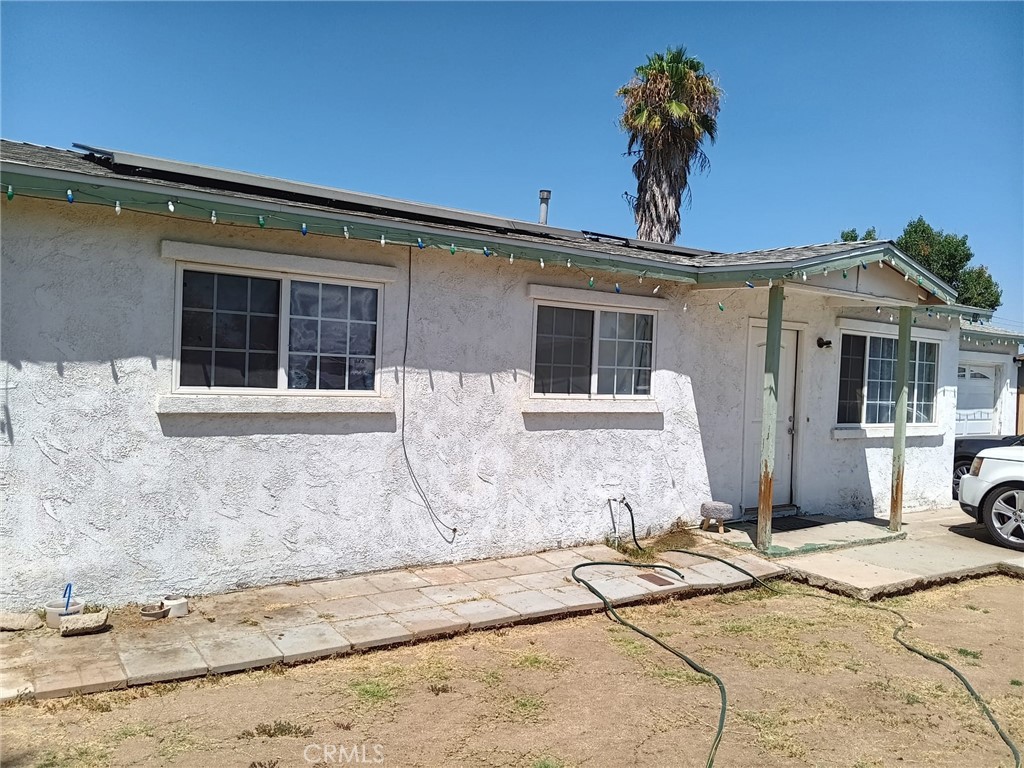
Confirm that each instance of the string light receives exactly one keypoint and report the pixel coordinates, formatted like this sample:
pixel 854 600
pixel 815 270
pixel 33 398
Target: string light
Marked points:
pixel 770 282
pixel 906 276
pixel 345 231
pixel 749 284
pixel 10 192
pixel 542 263
pixel 304 230
pixel 878 310
pixel 685 306
pixel 70 197
pixel 419 244
pixel 568 263
pixel 262 222
pixel 117 208
pixel 511 258
pixel 657 288
pixel 863 264
pixel 618 288
pixel 845 274
pixel 590 283
pixel 487 252
pixel 452 249
pixel 881 263
pixel 825 272
pixel 170 206
pixel 804 276
pixel 890 317
pixel 383 242
pixel 640 279
pixel 721 307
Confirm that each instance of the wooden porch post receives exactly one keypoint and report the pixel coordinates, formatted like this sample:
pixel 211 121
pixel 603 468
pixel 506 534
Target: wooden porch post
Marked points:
pixel 899 433
pixel 769 415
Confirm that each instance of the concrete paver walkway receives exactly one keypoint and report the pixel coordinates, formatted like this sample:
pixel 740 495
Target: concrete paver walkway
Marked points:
pixel 292 623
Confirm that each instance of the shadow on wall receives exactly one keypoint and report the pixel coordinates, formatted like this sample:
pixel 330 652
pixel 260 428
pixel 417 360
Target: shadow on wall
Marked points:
pixel 241 424
pixel 549 422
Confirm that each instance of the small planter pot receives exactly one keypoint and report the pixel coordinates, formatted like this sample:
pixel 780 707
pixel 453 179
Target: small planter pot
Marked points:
pixel 177 604
pixel 56 609
pixel 154 612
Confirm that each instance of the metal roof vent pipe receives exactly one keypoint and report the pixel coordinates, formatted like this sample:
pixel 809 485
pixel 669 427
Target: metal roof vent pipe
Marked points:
pixel 545 196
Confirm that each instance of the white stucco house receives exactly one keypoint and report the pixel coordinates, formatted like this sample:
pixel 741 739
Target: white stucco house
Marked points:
pixel 214 379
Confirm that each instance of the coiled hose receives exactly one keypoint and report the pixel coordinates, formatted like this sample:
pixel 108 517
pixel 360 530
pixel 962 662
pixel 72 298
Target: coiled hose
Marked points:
pixel 904 624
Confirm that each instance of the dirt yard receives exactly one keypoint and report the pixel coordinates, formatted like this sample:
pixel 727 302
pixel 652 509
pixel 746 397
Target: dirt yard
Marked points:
pixel 810 683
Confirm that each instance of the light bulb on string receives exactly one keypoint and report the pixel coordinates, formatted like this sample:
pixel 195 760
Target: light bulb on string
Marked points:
pixel 303 229
pixel 262 222
pixel 640 278
pixel 542 263
pixel 117 207
pixel 906 276
pixel 863 264
pixel 878 310
pixel 918 279
pixel 419 243
pixel 881 263
pixel 345 232
pixel 10 192
pixel 170 206
pixel 721 307
pixel 70 197
pixel 590 283
pixel 825 272
pixel 749 284
pixel 686 306
pixel 453 249
pixel 568 263
pixel 511 257
pixel 383 242
pixel 657 288
pixel 487 252
pixel 618 288
pixel 804 276
pixel 890 317
pixel 845 274
pixel 213 217
pixel 770 282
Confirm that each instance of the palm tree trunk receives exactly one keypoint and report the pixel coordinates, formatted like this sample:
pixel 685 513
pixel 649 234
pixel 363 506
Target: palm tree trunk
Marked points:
pixel 659 193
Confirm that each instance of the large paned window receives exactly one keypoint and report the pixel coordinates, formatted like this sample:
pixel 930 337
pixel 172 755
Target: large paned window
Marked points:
pixel 570 361
pixel 253 331
pixel 867 381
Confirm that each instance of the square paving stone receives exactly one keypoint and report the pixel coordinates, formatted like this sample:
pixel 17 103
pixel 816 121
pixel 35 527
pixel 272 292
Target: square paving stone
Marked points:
pixel 495 587
pixel 531 605
pixel 484 613
pixel 486 569
pixel 598 552
pixel 450 593
pixel 372 631
pixel 680 560
pixel 547 580
pixel 347 608
pixel 351 587
pixel 312 641
pixel 281 595
pixel 292 616
pixel 147 662
pixel 403 600
pixel 563 558
pixel 392 581
pixel 445 574
pixel 427 622
pixel 576 598
pixel 527 564
pixel 763 569
pixel 82 674
pixel 15 651
pixel 721 573
pixel 14 682
pixel 231 652
pixel 621 590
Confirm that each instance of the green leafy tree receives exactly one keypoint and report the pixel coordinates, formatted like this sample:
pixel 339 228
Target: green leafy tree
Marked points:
pixel 670 108
pixel 948 256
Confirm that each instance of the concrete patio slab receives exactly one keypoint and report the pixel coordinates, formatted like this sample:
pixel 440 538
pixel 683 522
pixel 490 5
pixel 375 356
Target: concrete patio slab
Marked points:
pixel 679 560
pixel 562 558
pixel 575 598
pixel 392 581
pixel 527 564
pixel 428 622
pixel 451 593
pixel 286 594
pixel 495 587
pixel 230 653
pixel 826 533
pixel 620 590
pixel 486 569
pixel 354 586
pixel 531 605
pixel 443 574
pixel 841 573
pixel 15 682
pixel 146 661
pixel 347 608
pixel 402 600
pixel 721 574
pixel 373 631
pixel 311 641
pixel 598 552
pixel 545 580
pixel 484 613
pixel 62 676
pixel 293 615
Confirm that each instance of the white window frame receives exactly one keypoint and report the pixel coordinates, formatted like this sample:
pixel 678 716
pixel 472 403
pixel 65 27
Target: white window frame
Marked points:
pixel 284 314
pixel 596 307
pixel 868 334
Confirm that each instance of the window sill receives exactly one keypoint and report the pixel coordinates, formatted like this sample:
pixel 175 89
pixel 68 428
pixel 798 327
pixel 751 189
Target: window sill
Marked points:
pixel 885 430
pixel 584 405
pixel 272 404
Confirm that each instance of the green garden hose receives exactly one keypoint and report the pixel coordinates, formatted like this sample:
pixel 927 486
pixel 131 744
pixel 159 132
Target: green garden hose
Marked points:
pixel 904 624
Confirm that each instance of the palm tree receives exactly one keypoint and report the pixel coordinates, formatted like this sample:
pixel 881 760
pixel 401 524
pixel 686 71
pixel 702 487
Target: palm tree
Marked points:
pixel 669 108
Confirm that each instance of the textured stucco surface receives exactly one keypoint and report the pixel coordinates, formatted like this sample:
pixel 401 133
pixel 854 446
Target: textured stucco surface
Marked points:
pixel 101 489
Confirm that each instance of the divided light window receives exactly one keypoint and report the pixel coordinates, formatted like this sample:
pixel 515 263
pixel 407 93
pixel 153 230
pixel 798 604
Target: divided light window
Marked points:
pixel 244 331
pixel 867 381
pixel 568 362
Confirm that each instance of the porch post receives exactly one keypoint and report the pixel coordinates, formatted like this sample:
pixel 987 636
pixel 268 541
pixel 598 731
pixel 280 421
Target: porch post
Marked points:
pixel 769 415
pixel 899 432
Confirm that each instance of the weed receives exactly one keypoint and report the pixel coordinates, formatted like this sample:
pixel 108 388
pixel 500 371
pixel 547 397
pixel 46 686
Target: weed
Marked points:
pixel 673 675
pixel 249 622
pixel 92 608
pixel 913 698
pixel 1015 681
pixel 373 691
pixel 265 763
pixel 492 678
pixel 78 701
pixel 276 729
pixel 343 726
pixel 967 653
pixel 548 762
pixel 77 757
pixel 771 733
pixel 326 616
pixel 537 661
pixel 438 688
pixel 525 707
pixel 131 731
pixel 630 646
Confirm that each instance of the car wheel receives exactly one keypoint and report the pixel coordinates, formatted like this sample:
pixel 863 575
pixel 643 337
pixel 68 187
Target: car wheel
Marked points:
pixel 1003 513
pixel 960 469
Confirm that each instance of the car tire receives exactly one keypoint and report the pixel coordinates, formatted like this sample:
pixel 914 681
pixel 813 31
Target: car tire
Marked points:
pixel 960 469
pixel 1003 514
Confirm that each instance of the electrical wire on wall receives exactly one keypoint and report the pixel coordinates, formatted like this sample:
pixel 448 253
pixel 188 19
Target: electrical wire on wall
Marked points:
pixel 447 532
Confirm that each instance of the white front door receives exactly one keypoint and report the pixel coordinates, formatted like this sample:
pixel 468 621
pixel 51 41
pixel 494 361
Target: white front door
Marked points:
pixel 782 492
pixel 975 400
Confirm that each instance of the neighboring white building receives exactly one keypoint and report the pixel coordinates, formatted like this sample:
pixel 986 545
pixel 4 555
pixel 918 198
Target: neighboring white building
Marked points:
pixel 275 381
pixel 986 402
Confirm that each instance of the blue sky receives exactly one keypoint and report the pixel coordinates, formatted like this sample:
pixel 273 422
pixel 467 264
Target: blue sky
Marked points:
pixel 835 115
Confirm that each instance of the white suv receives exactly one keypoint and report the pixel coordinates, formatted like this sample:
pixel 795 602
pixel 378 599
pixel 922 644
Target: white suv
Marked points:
pixel 993 493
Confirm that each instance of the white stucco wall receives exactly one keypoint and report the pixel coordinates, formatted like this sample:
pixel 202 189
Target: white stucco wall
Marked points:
pixel 127 503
